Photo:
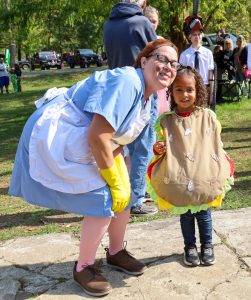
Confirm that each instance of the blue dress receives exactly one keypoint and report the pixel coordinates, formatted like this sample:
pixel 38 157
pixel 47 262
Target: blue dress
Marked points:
pixel 54 166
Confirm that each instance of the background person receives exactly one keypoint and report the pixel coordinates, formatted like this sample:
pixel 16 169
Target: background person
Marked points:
pixel 152 15
pixel 228 58
pixel 163 102
pixel 18 73
pixel 185 191
pixel 241 43
pixel 126 33
pixel 15 77
pixel 221 36
pixel 79 167
pixel 4 77
pixel 218 55
pixel 245 59
pixel 197 53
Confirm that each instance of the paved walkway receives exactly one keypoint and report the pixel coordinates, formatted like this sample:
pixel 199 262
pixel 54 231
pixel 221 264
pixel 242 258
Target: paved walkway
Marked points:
pixel 40 267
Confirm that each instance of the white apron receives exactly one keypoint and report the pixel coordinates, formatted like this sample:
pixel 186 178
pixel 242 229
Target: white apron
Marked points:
pixel 59 154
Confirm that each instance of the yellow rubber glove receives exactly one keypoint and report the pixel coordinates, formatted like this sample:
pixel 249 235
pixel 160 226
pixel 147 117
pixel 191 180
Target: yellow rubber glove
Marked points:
pixel 120 194
pixel 122 168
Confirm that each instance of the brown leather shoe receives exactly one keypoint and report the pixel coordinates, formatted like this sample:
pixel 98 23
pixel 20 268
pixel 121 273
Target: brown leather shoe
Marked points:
pixel 125 262
pixel 91 281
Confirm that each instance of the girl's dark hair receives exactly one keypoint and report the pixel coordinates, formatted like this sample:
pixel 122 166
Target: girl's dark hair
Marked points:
pixel 201 90
pixel 152 46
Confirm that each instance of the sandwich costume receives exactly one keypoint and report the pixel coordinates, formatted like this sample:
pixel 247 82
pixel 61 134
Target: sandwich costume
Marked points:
pixel 195 172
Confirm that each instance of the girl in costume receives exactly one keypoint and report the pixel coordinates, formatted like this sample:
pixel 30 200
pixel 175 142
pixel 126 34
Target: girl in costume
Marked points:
pixel 190 172
pixel 69 155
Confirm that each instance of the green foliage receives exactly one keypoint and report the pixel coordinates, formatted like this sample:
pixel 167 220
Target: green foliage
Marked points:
pixel 216 14
pixel 64 25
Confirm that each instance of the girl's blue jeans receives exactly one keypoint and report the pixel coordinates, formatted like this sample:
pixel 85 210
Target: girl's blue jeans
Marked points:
pixel 204 221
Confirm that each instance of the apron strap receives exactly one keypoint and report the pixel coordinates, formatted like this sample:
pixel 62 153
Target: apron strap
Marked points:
pixel 49 95
pixel 54 92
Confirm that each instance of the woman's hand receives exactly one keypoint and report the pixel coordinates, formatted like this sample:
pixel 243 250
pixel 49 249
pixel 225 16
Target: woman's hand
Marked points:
pixel 159 147
pixel 119 186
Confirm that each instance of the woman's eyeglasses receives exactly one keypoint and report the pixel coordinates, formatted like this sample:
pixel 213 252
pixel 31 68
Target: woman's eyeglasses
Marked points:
pixel 164 60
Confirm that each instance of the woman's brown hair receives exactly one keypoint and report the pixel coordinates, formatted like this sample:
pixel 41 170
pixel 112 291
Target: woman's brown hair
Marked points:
pixel 201 90
pixel 151 47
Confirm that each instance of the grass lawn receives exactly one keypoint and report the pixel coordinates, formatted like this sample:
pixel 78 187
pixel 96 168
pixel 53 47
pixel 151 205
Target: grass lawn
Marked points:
pixel 19 219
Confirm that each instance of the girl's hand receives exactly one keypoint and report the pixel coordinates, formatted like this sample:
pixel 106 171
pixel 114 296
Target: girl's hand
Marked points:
pixel 159 147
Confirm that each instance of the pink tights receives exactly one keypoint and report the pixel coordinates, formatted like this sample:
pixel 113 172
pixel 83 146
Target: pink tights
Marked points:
pixel 92 232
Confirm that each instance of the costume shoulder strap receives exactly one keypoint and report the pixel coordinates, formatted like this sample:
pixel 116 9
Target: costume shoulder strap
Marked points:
pixel 157 126
pixel 211 112
pixel 214 117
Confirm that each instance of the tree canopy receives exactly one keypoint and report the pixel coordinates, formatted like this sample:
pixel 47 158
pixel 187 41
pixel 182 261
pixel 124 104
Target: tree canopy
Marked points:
pixel 63 25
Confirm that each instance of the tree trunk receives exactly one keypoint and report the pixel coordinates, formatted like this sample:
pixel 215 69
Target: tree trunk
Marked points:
pixel 19 53
pixel 176 33
pixel 12 55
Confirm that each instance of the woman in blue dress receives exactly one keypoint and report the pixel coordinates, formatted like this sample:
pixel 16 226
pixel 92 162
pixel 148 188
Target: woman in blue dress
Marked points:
pixel 69 155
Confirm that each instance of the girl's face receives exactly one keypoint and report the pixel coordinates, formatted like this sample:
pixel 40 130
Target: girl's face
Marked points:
pixel 159 69
pixel 184 93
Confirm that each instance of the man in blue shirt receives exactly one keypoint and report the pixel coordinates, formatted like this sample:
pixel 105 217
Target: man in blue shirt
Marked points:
pixel 125 34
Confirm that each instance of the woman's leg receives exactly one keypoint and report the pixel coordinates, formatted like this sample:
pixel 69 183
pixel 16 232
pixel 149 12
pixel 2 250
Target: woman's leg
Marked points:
pixel 116 231
pixel 92 232
pixel 84 273
pixel 117 256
